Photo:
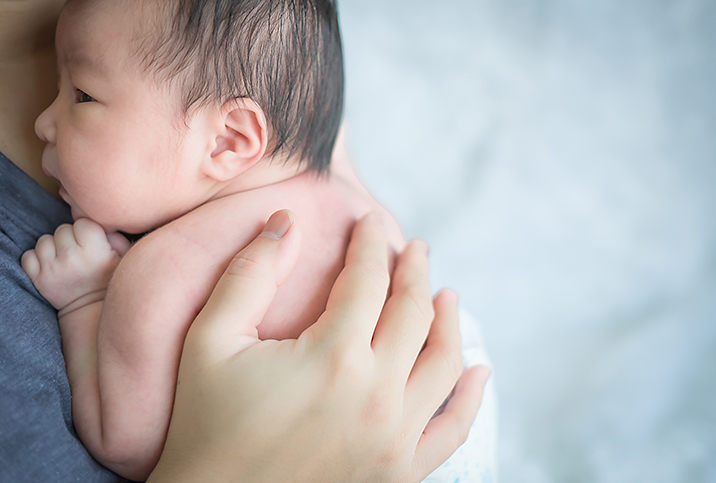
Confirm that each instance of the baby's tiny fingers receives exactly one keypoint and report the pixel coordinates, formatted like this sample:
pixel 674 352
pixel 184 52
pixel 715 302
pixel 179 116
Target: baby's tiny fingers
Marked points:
pixel 30 264
pixel 45 249
pixel 64 238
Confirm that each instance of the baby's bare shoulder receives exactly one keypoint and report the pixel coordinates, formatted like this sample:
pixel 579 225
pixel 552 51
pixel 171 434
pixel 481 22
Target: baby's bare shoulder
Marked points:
pixel 219 228
pixel 315 201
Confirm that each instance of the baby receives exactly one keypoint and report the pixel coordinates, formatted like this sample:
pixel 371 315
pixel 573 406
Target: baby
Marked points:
pixel 192 121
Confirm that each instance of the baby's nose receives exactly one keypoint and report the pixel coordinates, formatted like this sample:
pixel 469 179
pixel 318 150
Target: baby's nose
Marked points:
pixel 45 127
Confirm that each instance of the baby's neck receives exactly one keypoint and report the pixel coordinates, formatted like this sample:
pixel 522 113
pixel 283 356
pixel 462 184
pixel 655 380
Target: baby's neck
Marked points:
pixel 267 172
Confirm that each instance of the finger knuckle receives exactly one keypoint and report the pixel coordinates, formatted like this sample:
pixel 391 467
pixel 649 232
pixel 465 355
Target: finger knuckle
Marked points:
pixel 382 414
pixel 452 361
pixel 376 272
pixel 347 365
pixel 247 267
pixel 395 458
pixel 380 411
pixel 460 430
pixel 391 456
pixel 420 301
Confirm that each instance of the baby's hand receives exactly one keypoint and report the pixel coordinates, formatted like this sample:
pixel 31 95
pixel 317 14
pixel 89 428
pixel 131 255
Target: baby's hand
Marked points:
pixel 72 268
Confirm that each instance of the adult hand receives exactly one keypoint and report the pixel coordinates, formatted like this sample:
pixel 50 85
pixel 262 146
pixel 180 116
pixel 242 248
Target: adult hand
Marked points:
pixel 351 400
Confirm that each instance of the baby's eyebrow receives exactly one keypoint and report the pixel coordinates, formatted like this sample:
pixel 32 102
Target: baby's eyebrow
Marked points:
pixel 82 61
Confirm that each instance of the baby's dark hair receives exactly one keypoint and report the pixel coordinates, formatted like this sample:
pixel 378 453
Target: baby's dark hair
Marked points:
pixel 285 55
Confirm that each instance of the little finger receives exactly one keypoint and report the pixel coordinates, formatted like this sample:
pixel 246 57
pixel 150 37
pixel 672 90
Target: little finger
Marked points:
pixel 446 432
pixel 439 365
pixel 30 264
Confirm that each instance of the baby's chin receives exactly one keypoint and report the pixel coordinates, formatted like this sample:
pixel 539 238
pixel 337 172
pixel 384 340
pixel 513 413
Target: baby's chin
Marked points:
pixel 79 213
pixel 135 228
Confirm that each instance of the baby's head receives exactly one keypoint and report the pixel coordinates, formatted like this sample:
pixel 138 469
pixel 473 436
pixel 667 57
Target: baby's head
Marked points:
pixel 148 85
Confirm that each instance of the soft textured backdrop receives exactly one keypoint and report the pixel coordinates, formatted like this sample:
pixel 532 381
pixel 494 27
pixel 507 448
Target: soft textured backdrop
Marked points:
pixel 560 158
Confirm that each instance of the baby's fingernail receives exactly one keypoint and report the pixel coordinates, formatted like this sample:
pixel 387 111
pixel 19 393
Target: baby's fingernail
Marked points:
pixel 278 225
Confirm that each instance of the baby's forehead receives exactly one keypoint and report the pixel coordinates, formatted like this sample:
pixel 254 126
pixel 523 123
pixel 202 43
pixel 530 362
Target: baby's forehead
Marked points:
pixel 137 20
pixel 99 32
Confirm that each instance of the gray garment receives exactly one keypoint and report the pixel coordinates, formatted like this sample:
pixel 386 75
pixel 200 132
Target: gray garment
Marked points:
pixel 38 442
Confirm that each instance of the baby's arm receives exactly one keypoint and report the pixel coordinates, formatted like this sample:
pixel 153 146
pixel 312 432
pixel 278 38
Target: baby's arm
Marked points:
pixel 72 270
pixel 156 291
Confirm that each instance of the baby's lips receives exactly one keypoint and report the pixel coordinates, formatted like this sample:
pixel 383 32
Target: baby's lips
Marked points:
pixel 44 166
pixel 49 174
pixel 64 194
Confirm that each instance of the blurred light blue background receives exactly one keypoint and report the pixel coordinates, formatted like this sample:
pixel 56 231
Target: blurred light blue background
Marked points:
pixel 560 158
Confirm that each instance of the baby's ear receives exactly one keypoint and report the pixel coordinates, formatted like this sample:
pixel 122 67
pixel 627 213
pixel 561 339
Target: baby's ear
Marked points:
pixel 241 139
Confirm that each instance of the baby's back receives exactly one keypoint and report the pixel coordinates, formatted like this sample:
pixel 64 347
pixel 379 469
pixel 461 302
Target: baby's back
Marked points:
pixel 202 242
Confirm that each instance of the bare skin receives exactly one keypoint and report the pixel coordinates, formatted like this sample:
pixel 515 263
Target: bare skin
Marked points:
pixel 365 417
pixel 27 85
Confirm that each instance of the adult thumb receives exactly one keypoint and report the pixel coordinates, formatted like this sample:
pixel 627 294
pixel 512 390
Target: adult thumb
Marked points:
pixel 227 323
